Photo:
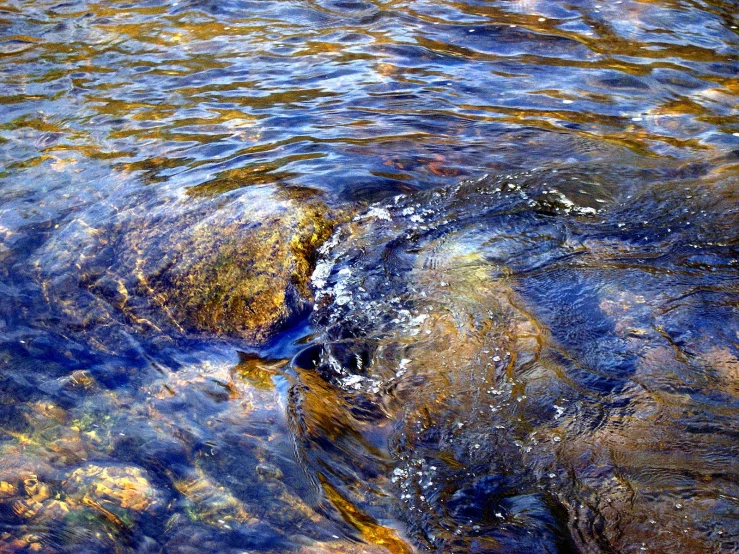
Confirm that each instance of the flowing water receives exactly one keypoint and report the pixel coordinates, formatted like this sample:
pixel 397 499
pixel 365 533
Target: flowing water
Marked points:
pixel 525 335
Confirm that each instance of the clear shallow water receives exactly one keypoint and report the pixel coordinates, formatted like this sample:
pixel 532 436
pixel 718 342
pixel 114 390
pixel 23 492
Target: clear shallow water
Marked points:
pixel 135 135
pixel 550 349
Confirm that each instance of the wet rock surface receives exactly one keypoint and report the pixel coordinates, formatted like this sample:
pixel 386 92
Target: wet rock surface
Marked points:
pixel 537 361
pixel 231 267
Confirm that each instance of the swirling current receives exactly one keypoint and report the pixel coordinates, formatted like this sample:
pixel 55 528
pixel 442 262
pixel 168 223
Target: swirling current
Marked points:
pixel 369 276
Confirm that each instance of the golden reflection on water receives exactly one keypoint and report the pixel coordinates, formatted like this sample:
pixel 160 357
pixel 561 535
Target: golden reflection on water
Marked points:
pixel 157 42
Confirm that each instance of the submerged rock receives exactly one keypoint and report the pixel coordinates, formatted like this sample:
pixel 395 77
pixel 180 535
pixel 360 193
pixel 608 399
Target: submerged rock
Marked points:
pixel 550 359
pixel 246 278
pixel 120 487
pixel 238 266
pixel 91 510
pixel 533 362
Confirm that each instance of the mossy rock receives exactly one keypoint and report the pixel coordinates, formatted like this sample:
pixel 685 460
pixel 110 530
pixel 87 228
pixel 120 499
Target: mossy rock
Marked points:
pixel 238 266
pixel 245 279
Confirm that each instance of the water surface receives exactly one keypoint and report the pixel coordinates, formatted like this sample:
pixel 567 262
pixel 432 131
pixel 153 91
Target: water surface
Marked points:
pixel 140 141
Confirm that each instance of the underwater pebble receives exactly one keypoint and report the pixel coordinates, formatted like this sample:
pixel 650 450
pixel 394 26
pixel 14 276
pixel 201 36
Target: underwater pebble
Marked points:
pixel 269 470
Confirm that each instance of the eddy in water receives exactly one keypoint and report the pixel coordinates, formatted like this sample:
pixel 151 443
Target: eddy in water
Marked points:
pixel 537 362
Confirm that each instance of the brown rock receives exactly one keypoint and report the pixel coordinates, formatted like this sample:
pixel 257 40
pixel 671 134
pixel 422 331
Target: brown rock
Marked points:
pixel 238 266
pixel 124 487
pixel 245 280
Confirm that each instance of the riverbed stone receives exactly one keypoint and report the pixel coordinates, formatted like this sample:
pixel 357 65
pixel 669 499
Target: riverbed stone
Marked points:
pixel 124 487
pixel 164 265
pixel 241 278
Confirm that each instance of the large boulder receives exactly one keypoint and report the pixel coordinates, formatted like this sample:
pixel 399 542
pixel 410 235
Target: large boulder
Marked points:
pixel 164 265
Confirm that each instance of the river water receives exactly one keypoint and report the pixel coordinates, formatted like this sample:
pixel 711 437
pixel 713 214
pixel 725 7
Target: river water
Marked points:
pixel 526 334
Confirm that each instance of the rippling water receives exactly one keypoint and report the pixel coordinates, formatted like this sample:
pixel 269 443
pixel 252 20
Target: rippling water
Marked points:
pixel 573 383
pixel 550 350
